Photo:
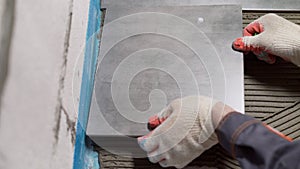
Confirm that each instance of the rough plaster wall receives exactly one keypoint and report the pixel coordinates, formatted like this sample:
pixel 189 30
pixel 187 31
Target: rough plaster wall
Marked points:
pixel 2 68
pixel 38 114
pixel 6 29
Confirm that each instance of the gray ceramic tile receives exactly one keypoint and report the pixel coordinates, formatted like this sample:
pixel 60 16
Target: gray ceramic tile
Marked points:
pixel 246 4
pixel 148 57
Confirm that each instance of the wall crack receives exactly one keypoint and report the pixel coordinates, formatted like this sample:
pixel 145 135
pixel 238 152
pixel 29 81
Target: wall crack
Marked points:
pixel 59 106
pixel 70 126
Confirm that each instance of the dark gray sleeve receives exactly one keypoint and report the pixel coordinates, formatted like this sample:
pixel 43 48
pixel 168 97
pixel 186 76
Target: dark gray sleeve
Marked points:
pixel 255 145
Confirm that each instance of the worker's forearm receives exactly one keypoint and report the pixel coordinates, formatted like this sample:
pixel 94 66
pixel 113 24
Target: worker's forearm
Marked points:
pixel 254 145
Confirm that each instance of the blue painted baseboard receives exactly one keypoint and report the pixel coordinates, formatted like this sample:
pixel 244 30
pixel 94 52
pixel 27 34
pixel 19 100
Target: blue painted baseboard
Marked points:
pixel 84 156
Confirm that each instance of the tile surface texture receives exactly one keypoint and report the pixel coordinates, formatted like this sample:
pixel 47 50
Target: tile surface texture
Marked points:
pixel 272 95
pixel 246 4
pixel 151 56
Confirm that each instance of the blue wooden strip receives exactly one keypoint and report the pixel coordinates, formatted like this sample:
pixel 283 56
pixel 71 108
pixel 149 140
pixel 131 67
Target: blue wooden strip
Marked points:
pixel 84 156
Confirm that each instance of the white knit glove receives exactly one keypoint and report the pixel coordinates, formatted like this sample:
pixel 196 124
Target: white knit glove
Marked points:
pixel 185 132
pixel 270 36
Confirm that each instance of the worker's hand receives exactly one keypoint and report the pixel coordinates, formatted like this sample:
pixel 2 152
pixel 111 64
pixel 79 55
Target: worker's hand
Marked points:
pixel 186 128
pixel 270 36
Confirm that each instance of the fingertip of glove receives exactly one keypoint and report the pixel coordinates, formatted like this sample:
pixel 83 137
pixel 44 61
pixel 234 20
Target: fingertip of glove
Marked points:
pixel 142 142
pixel 163 163
pixel 238 45
pixel 146 142
pixel 233 48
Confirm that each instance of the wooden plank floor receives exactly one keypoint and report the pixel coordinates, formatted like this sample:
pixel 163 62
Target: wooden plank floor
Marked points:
pixel 272 94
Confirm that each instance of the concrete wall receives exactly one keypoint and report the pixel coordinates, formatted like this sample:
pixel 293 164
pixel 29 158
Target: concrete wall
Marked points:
pixel 39 101
pixel 6 25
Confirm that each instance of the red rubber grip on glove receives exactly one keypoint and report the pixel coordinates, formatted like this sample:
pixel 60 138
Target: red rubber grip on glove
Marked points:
pixel 154 122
